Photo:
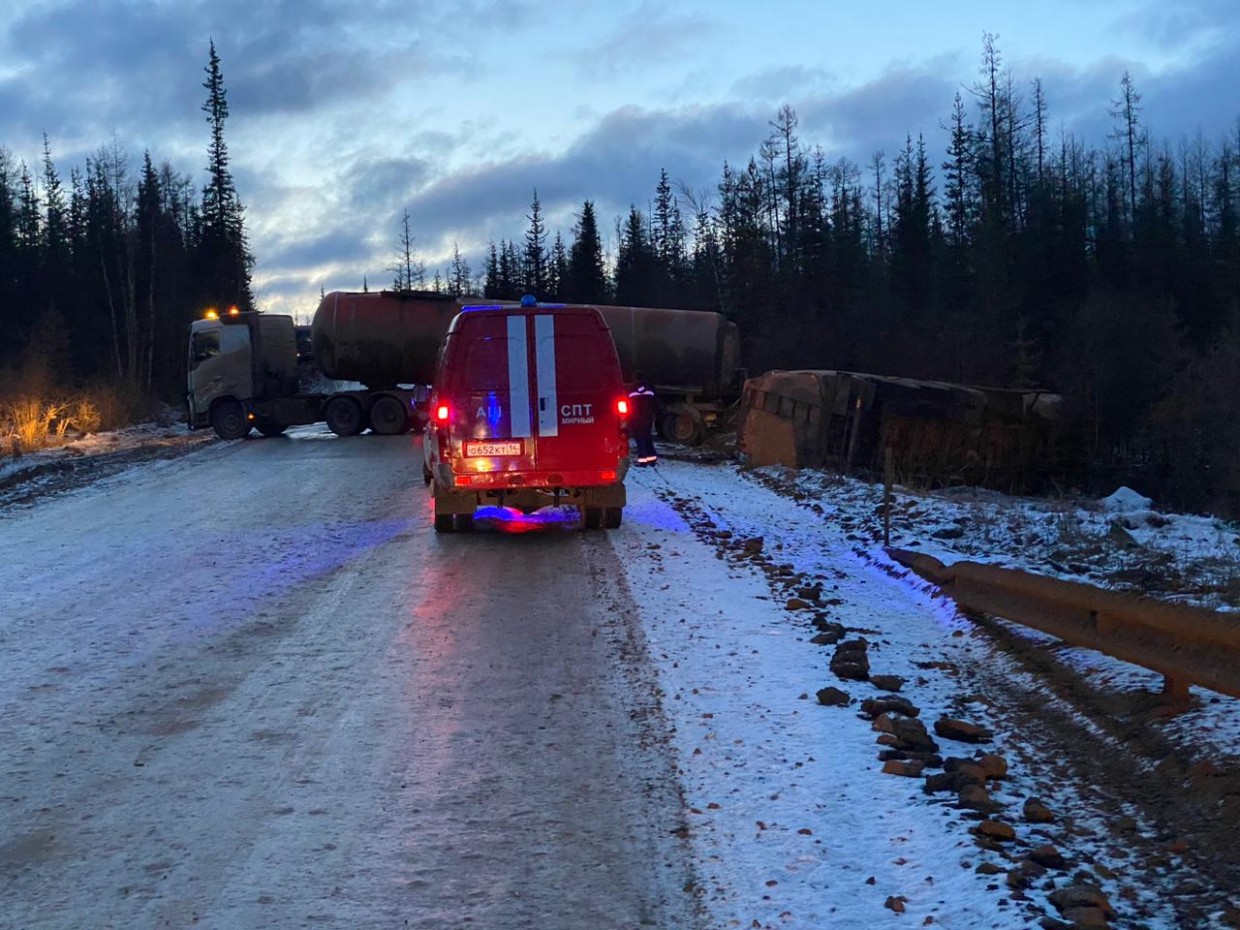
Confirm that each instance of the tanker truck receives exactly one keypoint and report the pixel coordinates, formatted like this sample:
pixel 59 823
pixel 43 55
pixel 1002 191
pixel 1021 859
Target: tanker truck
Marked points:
pixel 244 371
pixel 690 358
pixel 371 357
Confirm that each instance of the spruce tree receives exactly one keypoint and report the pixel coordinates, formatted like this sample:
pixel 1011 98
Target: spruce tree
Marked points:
pixel 224 255
pixel 585 277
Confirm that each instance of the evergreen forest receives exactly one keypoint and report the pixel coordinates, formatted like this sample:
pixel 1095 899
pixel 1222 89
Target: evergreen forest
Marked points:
pixel 1107 270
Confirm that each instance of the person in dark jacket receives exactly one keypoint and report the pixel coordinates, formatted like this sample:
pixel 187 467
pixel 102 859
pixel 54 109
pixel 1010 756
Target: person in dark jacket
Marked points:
pixel 641 422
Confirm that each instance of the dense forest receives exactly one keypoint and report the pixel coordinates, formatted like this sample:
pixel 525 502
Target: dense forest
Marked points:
pixel 1022 257
pixel 100 277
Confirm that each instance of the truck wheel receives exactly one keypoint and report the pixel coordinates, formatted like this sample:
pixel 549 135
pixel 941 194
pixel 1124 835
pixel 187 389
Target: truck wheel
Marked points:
pixel 611 517
pixel 388 417
pixel 464 522
pixel 229 421
pixel 684 427
pixel 444 523
pixel 592 518
pixel 343 416
pixel 272 430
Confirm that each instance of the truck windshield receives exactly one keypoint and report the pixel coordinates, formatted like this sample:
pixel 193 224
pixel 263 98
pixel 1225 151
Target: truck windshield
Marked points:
pixel 203 347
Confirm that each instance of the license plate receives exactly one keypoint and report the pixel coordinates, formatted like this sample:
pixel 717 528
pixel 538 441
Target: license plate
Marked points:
pixel 491 449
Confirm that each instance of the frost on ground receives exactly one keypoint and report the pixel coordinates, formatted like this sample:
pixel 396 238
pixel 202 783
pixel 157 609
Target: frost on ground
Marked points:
pixel 1099 793
pixel 815 798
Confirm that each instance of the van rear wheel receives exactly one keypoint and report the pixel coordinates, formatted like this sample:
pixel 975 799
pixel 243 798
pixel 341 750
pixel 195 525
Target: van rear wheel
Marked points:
pixel 464 522
pixel 593 518
pixel 444 523
pixel 611 517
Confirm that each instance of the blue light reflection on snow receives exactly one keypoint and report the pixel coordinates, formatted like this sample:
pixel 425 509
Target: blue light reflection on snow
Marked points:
pixel 511 520
pixel 655 513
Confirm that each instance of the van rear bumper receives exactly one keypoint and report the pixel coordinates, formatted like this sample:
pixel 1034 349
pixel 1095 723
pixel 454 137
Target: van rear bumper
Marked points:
pixel 515 480
pixel 465 500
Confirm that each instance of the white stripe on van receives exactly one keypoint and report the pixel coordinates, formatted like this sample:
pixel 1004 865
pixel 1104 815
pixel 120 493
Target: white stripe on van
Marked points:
pixel 544 371
pixel 518 377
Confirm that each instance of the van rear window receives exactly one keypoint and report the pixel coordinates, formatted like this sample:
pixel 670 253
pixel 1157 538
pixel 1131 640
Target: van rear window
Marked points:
pixel 486 365
pixel 582 364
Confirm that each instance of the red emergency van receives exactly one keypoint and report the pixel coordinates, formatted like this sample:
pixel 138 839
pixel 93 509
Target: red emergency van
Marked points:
pixel 528 412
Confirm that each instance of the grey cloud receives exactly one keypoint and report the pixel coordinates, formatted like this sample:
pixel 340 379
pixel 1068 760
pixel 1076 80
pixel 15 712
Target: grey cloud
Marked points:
pixel 782 83
pixel 648 34
pixel 880 115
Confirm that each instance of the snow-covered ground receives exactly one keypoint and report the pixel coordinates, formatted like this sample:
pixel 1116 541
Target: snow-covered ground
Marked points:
pixel 790 818
pixel 775 780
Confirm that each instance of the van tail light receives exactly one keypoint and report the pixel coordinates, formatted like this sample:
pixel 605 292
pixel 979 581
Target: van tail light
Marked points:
pixel 622 406
pixel 441 414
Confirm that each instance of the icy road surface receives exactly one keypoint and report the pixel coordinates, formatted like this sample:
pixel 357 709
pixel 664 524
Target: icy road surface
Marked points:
pixel 250 687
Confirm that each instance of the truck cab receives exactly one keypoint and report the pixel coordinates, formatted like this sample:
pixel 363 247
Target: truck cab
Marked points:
pixel 529 409
pixel 237 361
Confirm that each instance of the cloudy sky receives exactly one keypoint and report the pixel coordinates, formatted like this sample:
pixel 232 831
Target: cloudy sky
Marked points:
pixel 345 114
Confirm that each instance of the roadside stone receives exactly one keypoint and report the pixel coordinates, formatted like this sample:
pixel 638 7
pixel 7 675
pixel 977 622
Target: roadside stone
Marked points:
pixel 1036 812
pixel 940 781
pixel 966 772
pixel 850 661
pixel 896 904
pixel 909 769
pixel 988 868
pixel 911 735
pixel 977 798
pixel 833 697
pixel 810 593
pixel 1050 923
pixel 753 545
pixel 1086 918
pixel 995 830
pixel 959 730
pixel 826 638
pixel 1081 896
pixel 1048 857
pixel 889 704
pixel 796 603
pixel 887 682
pixel 994 765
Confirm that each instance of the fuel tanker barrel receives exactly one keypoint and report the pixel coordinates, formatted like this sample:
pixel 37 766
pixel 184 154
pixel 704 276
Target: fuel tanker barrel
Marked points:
pixel 693 351
pixel 382 338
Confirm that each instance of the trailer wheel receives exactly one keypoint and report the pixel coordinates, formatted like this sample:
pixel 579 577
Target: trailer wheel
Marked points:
pixel 684 426
pixel 343 416
pixel 229 421
pixel 388 417
pixel 612 517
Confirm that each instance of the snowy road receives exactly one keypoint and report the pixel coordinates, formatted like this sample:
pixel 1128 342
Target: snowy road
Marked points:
pixel 250 688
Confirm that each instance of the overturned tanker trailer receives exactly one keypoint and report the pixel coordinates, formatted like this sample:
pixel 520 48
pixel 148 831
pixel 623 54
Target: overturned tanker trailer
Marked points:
pixel 937 433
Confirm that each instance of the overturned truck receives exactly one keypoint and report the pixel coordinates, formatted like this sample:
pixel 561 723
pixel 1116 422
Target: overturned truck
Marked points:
pixel 938 434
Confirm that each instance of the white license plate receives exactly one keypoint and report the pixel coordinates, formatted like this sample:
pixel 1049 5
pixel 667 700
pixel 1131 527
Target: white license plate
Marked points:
pixel 486 449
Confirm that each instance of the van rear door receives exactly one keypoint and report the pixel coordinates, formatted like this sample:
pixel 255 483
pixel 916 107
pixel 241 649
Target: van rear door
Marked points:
pixel 577 382
pixel 537 391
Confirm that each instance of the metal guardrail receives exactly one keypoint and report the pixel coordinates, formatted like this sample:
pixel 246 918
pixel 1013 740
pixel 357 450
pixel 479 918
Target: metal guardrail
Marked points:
pixel 1187 645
